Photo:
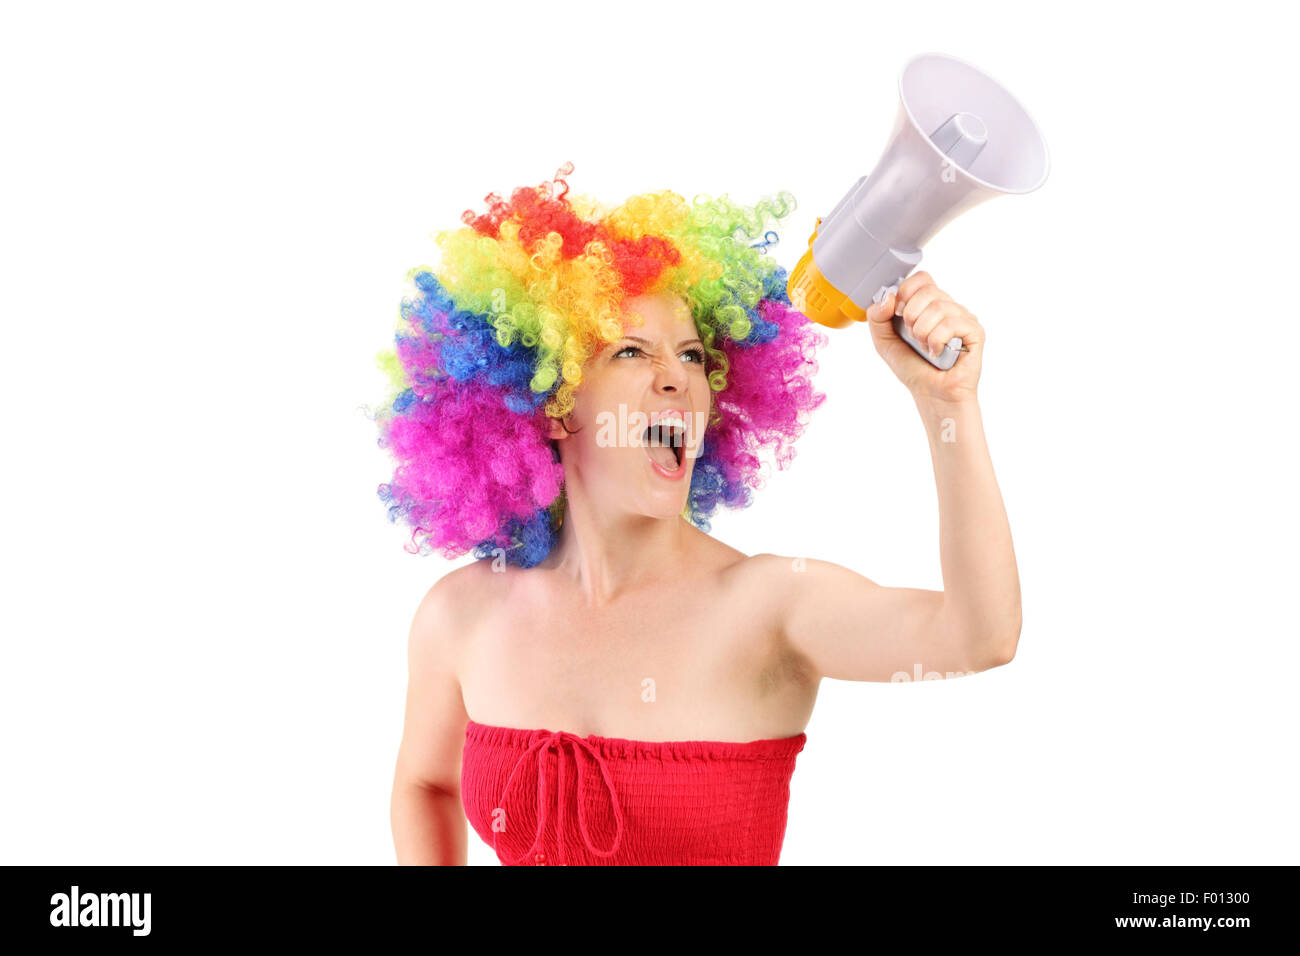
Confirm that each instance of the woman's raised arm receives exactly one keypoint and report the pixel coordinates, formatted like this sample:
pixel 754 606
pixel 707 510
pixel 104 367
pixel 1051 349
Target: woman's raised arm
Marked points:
pixel 851 628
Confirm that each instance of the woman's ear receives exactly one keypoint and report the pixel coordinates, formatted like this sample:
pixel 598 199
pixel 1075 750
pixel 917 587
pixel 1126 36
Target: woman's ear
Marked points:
pixel 555 429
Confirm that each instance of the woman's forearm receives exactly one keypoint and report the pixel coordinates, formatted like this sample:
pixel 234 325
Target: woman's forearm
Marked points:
pixel 428 826
pixel 981 583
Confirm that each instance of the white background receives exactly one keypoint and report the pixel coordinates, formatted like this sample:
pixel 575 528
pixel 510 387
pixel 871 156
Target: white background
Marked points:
pixel 208 214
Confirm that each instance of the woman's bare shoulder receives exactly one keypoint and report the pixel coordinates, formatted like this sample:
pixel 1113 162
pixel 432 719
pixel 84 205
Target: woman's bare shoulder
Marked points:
pixel 763 578
pixel 753 579
pixel 737 564
pixel 713 553
pixel 456 600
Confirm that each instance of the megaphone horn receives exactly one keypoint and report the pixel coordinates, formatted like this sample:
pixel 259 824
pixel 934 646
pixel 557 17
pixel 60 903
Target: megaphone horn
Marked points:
pixel 959 138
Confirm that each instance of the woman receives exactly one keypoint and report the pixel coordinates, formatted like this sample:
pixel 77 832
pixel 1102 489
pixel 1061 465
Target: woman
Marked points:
pixel 577 389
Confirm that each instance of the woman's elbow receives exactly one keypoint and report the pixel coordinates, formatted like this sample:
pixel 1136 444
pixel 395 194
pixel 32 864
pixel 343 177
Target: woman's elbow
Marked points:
pixel 1006 643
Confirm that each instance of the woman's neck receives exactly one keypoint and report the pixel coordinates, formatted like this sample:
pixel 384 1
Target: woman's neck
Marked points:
pixel 606 553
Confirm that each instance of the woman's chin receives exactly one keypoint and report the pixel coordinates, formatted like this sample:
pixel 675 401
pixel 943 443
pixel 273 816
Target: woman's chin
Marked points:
pixel 666 494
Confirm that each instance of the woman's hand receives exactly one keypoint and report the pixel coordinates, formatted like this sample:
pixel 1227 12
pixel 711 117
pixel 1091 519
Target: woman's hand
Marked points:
pixel 932 317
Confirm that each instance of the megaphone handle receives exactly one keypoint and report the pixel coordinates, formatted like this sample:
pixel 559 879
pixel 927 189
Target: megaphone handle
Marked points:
pixel 945 359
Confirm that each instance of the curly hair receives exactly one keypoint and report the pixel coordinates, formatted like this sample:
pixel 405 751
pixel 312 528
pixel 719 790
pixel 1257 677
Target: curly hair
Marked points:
pixel 496 338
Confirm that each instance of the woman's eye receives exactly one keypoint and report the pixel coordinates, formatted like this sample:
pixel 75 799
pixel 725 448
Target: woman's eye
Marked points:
pixel 693 355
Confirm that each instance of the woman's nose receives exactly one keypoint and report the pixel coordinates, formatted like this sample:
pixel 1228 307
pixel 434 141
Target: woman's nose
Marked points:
pixel 671 376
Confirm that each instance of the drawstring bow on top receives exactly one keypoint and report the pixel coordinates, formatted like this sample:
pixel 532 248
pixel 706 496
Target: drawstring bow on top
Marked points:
pixel 540 746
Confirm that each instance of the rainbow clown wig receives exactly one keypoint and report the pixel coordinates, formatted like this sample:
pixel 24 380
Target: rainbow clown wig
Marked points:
pixel 495 340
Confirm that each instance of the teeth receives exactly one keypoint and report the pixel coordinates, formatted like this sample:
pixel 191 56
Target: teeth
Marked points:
pixel 666 433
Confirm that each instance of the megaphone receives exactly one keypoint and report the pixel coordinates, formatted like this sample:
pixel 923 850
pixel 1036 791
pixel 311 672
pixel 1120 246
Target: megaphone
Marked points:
pixel 959 138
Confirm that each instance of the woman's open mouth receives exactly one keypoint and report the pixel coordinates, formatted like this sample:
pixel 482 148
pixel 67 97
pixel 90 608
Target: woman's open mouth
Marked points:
pixel 665 443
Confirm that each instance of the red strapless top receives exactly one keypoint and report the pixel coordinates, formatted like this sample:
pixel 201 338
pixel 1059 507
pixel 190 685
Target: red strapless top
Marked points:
pixel 541 797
